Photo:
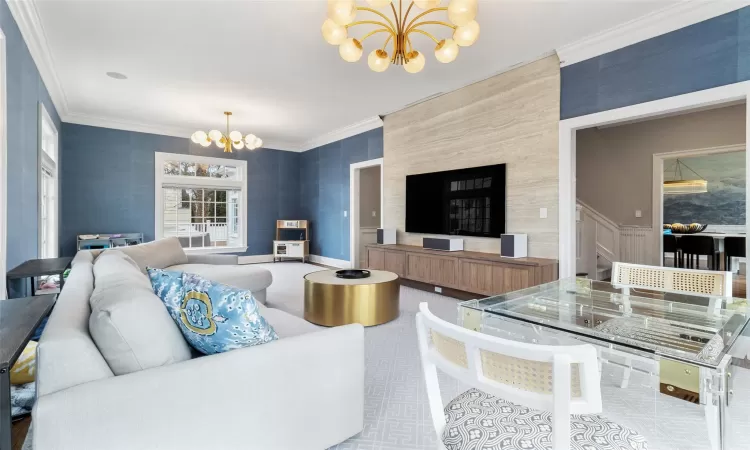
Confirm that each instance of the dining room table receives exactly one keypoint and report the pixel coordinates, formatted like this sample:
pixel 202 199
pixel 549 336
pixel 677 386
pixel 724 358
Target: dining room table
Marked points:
pixel 718 240
pixel 689 347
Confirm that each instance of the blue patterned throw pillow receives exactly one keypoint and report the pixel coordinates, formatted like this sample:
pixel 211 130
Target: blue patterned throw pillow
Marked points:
pixel 213 317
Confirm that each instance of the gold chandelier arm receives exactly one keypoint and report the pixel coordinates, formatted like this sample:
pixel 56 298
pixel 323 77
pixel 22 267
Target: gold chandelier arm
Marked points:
pixel 379 30
pixel 407 11
pixel 371 22
pixel 385 44
pixel 375 11
pixel 430 22
pixel 415 30
pixel 398 22
pixel 444 8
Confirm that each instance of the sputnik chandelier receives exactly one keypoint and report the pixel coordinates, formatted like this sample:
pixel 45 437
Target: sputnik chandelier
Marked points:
pixel 341 15
pixel 228 140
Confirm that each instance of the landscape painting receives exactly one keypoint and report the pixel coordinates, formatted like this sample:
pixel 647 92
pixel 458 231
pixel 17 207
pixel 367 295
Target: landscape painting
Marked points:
pixel 723 204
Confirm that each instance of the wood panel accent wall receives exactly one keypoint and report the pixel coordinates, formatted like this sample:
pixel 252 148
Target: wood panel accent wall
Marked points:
pixel 479 273
pixel 510 118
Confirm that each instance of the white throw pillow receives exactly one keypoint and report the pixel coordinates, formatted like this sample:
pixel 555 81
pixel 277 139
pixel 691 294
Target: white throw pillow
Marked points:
pixel 128 322
pixel 156 254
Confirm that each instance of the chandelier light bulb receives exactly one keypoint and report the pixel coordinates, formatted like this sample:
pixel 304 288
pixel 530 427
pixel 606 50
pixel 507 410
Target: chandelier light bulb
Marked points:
pixel 333 33
pixel 466 35
pixel 258 142
pixel 221 143
pixel 235 136
pixel 378 3
pixel 249 139
pixel 461 12
pixel 446 51
pixel 239 145
pixel 416 62
pixel 215 135
pixel 198 137
pixel 350 50
pixel 378 60
pixel 206 142
pixel 342 12
pixel 427 4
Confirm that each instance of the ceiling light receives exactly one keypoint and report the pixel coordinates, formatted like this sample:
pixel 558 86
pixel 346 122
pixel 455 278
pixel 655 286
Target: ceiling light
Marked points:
pixel 225 141
pixel 117 75
pixel 399 29
pixel 682 186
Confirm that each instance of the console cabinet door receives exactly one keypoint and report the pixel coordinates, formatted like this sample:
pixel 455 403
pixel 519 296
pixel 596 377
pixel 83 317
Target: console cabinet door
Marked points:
pixel 418 267
pixel 375 259
pixel 444 271
pixel 395 262
pixel 509 278
pixel 476 277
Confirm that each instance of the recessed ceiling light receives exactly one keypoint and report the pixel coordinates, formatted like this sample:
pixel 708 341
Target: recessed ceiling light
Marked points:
pixel 117 75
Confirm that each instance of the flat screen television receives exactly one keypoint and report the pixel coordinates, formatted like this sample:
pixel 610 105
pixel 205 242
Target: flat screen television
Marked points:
pixel 463 202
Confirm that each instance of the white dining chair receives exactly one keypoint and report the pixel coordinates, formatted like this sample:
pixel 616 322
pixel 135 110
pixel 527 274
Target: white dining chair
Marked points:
pixel 523 396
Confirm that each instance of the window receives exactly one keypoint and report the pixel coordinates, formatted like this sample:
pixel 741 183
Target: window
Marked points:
pixel 200 200
pixel 48 205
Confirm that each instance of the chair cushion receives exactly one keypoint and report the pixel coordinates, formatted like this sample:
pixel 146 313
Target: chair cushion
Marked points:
pixel 213 317
pixel 129 324
pixel 477 420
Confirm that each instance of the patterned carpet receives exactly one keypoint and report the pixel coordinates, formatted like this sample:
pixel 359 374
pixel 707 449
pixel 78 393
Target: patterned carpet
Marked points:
pixel 397 416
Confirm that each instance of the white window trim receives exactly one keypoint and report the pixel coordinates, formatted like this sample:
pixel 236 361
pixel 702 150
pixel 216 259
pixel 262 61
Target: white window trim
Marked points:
pixel 161 179
pixel 49 163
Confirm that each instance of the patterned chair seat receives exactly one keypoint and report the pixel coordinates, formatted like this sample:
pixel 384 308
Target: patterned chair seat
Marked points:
pixel 479 421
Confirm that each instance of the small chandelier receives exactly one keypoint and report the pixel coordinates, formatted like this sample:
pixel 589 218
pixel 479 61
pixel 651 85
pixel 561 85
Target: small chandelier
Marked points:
pixel 226 141
pixel 341 14
pixel 682 186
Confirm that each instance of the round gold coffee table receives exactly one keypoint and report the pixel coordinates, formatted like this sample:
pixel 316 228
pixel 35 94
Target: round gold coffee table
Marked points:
pixel 332 301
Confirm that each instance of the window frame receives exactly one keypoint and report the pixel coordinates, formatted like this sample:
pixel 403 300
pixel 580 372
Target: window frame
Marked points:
pixel 162 180
pixel 48 163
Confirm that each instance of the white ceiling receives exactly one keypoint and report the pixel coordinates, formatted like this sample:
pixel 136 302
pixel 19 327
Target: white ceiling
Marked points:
pixel 188 61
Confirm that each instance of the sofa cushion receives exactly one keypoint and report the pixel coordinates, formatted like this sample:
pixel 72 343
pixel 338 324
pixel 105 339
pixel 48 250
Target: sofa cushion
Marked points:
pixel 285 324
pixel 213 317
pixel 240 276
pixel 157 254
pixel 128 322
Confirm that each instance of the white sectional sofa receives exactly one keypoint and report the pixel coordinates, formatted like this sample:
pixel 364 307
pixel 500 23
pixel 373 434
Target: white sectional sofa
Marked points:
pixel 303 391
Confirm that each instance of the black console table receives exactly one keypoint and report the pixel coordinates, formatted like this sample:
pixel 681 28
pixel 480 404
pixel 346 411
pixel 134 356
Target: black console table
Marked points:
pixel 38 267
pixel 19 318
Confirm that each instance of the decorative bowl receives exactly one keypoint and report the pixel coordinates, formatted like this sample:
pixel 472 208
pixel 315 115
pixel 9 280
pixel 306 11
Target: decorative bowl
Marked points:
pixel 352 274
pixel 680 228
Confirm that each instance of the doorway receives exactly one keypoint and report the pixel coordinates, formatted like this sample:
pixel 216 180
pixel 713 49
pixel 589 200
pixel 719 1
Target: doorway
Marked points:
pixel 366 198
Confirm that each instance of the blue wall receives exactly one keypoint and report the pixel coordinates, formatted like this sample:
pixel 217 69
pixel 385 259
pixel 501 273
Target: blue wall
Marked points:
pixel 708 54
pixel 324 174
pixel 108 184
pixel 25 90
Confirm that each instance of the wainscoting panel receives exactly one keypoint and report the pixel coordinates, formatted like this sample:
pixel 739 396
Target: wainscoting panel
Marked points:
pixel 637 245
pixel 511 118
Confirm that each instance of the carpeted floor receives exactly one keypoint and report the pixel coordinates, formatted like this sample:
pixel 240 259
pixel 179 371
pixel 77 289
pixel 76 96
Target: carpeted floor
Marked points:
pixel 396 412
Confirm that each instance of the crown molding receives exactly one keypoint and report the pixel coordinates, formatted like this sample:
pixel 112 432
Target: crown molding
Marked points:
pixel 659 22
pixel 342 133
pixel 27 19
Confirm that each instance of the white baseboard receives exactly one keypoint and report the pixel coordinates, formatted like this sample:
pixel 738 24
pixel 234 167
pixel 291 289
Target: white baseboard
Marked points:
pixel 255 259
pixel 340 263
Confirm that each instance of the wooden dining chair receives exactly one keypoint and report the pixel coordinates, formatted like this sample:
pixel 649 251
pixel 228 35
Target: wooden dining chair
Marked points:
pixel 539 397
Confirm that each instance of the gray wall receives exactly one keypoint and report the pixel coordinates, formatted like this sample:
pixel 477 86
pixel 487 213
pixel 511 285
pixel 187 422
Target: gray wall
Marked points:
pixel 614 166
pixel 25 90
pixel 108 184
pixel 369 197
pixel 324 194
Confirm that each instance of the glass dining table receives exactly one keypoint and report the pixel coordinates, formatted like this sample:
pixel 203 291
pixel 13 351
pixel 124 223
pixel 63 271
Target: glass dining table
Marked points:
pixel 674 365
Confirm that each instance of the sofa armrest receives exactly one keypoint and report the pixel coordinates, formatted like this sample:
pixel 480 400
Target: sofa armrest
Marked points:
pixel 304 392
pixel 223 260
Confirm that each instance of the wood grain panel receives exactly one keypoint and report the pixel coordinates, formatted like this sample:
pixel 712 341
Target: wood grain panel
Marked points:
pixel 444 271
pixel 507 278
pixel 395 262
pixel 476 276
pixel 418 267
pixel 511 118
pixel 375 259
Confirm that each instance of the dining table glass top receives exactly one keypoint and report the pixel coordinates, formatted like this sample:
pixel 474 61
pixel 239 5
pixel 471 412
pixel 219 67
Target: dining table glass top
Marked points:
pixel 690 328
